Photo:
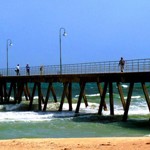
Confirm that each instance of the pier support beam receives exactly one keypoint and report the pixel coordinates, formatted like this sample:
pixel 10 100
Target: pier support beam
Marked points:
pixel 2 89
pixel 102 98
pixel 70 96
pixel 63 96
pixel 84 96
pixel 32 96
pixel 125 116
pixel 111 98
pixel 27 91
pixel 40 96
pixel 146 94
pixel 67 91
pixel 5 92
pixel 101 92
pixel 20 87
pixel 1 93
pixel 12 85
pixel 47 96
pixel 80 96
pixel 18 91
pixel 121 95
pixel 50 88
pixel 15 92
pixel 54 94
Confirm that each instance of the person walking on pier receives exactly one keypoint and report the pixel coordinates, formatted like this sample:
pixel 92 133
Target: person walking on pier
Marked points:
pixel 121 64
pixel 27 69
pixel 17 70
pixel 41 70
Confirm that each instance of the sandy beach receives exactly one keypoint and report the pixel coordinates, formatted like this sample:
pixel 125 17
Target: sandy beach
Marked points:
pixel 122 143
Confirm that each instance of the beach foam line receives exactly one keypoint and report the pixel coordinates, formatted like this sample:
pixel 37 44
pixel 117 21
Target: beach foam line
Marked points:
pixel 134 97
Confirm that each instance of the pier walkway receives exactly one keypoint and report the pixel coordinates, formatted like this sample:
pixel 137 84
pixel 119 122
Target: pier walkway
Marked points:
pixel 102 73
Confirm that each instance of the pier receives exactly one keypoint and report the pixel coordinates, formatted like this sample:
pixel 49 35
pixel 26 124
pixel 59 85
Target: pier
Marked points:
pixel 103 74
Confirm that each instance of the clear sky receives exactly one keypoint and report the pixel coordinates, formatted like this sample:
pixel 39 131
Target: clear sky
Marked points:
pixel 97 30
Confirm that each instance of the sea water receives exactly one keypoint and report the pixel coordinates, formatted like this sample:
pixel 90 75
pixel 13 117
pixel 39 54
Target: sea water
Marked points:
pixel 17 122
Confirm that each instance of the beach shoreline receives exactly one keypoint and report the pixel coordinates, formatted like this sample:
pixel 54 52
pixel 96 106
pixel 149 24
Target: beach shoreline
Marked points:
pixel 121 143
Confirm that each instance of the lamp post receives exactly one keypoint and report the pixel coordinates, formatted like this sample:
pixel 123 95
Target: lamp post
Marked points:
pixel 8 44
pixel 60 34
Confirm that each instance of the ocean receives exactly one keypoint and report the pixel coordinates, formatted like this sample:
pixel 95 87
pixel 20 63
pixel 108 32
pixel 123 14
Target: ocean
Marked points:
pixel 16 122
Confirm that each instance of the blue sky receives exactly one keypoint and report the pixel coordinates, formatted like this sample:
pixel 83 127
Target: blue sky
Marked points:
pixel 97 30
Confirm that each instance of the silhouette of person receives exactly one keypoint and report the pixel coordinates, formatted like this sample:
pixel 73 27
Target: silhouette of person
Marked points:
pixel 41 70
pixel 17 70
pixel 121 64
pixel 27 69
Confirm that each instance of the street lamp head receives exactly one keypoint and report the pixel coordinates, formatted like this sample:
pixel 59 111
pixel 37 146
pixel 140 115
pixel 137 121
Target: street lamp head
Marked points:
pixel 64 34
pixel 11 44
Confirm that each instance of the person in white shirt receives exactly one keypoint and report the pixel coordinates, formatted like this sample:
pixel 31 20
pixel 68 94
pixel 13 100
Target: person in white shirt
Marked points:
pixel 17 70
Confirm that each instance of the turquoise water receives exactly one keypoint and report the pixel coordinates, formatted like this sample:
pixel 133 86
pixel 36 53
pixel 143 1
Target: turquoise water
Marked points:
pixel 83 126
pixel 16 122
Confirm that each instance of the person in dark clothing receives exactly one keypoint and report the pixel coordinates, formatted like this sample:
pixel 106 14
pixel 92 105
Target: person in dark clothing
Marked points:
pixel 41 70
pixel 121 64
pixel 27 69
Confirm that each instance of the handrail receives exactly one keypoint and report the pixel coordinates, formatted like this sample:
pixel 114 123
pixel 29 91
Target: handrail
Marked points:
pixel 135 65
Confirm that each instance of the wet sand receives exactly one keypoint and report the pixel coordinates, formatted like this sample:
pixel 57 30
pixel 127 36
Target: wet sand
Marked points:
pixel 122 143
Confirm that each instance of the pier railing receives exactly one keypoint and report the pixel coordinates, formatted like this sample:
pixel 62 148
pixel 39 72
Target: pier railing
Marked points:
pixel 135 65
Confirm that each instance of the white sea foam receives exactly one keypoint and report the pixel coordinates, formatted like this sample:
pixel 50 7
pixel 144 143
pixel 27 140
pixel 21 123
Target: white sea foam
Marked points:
pixel 92 95
pixel 24 116
pixel 89 95
pixel 124 86
pixel 134 97
pixel 29 116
